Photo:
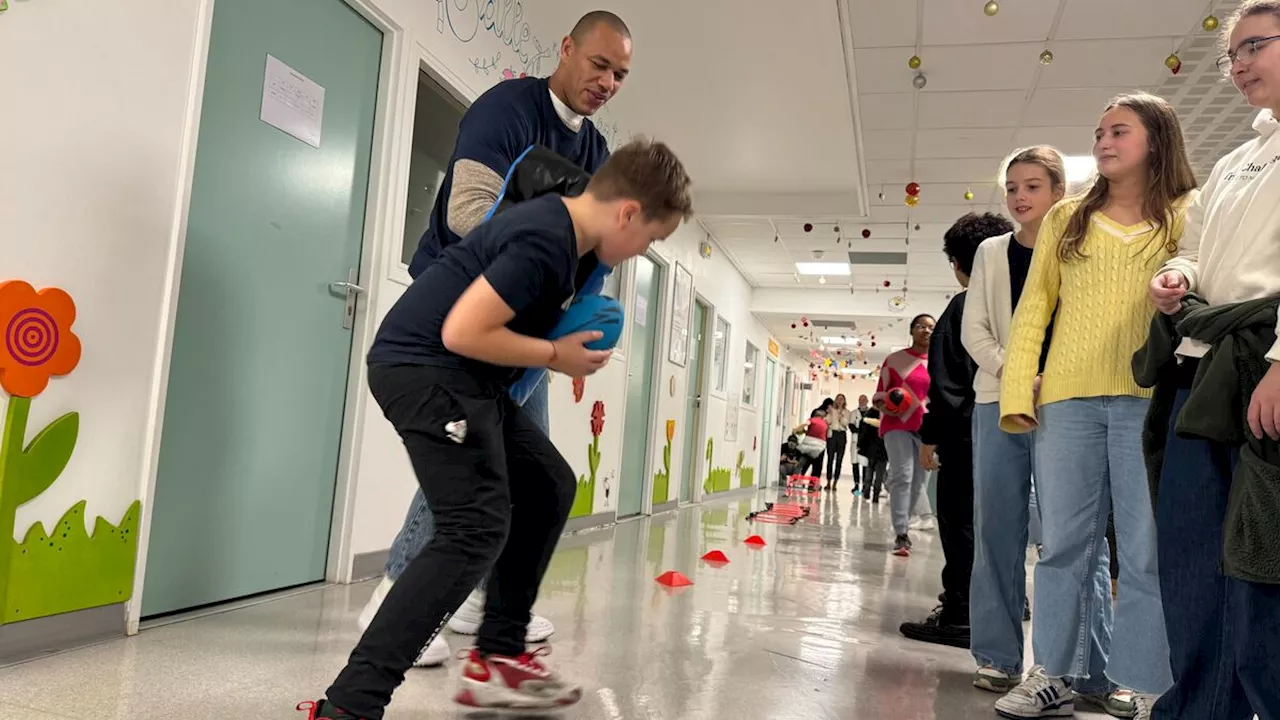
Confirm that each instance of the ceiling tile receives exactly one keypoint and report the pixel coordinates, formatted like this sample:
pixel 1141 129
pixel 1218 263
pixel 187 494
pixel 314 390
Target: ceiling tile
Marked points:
pixel 947 22
pixel 963 143
pixel 994 108
pixel 887 144
pixel 1068 140
pixel 971 68
pixel 886 111
pixel 1130 63
pixel 1087 19
pixel 1068 107
pixel 882 24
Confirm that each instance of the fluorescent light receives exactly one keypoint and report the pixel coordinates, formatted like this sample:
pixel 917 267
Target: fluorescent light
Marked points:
pixel 837 340
pixel 822 268
pixel 1079 167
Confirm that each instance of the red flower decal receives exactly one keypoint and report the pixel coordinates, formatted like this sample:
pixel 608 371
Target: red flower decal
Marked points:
pixel 37 341
pixel 579 387
pixel 597 418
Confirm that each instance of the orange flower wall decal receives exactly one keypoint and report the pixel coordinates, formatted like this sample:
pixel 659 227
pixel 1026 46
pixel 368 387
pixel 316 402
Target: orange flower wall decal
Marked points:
pixel 579 387
pixel 671 430
pixel 38 342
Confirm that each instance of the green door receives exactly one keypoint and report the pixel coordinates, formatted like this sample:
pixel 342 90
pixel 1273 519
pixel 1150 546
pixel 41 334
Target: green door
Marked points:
pixel 768 453
pixel 261 348
pixel 640 361
pixel 692 402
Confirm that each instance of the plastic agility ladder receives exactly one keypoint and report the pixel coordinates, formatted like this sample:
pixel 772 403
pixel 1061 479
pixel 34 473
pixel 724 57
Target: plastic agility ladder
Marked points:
pixel 780 514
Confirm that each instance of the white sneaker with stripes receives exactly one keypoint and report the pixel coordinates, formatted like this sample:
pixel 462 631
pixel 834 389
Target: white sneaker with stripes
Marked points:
pixel 1039 696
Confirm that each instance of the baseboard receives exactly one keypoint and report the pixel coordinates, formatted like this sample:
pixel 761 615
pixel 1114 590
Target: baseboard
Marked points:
pixel 666 507
pixel 30 639
pixel 590 522
pixel 730 494
pixel 365 566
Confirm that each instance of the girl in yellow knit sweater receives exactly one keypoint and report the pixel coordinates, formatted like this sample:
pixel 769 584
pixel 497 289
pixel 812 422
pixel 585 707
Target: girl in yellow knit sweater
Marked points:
pixel 1094 257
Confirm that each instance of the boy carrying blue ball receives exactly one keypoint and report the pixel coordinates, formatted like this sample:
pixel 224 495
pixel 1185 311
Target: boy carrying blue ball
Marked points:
pixel 440 368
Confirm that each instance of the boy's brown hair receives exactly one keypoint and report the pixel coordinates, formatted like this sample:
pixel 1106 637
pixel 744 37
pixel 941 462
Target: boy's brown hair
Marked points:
pixel 648 172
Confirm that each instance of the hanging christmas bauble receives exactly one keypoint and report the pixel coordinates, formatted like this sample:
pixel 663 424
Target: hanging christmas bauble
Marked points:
pixel 808 227
pixel 1046 57
pixel 968 194
pixel 886 284
pixel 1173 62
pixel 991 8
pixel 912 201
pixel 914 62
pixel 881 194
pixel 793 326
pixel 1210 23
pixel 866 233
pixel 913 188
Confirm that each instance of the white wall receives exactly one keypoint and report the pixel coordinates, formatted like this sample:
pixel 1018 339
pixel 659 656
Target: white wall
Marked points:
pixel 91 174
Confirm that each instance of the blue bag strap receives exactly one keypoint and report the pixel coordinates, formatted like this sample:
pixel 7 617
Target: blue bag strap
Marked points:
pixel 511 172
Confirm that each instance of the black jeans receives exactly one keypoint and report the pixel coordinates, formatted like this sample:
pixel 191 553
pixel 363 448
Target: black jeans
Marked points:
pixel 873 478
pixel 955 527
pixel 462 435
pixel 813 466
pixel 836 444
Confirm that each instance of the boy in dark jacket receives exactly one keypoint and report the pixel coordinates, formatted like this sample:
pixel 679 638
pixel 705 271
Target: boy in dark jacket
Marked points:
pixel 947 438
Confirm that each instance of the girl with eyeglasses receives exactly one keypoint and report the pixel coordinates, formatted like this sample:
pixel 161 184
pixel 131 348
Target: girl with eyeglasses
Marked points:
pixel 1094 257
pixel 1222 609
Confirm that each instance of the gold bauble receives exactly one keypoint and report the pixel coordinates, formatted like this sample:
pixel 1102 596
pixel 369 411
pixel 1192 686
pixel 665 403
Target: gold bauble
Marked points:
pixel 1210 23
pixel 1172 61
pixel 991 8
pixel 914 62
pixel 1046 57
pixel 912 200
pixel 968 194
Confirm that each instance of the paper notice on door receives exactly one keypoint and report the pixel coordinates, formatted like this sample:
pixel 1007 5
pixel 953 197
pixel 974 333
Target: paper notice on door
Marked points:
pixel 642 306
pixel 292 102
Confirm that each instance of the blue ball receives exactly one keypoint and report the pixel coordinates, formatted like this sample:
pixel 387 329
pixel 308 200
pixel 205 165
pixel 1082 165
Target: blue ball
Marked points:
pixel 592 312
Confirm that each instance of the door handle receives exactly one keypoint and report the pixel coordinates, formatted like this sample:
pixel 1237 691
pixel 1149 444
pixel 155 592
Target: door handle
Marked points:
pixel 349 290
pixel 342 287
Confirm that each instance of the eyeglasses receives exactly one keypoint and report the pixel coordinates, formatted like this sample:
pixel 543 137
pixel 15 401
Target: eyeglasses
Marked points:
pixel 1245 53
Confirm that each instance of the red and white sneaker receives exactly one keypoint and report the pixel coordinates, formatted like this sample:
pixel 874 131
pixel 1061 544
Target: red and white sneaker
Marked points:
pixel 498 681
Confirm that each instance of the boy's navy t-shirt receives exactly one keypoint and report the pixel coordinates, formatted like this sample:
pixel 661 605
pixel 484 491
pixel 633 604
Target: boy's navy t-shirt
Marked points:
pixel 1019 267
pixel 529 254
pixel 499 126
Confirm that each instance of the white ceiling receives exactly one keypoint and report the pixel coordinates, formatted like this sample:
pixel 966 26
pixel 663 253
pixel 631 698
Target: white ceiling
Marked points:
pixel 774 141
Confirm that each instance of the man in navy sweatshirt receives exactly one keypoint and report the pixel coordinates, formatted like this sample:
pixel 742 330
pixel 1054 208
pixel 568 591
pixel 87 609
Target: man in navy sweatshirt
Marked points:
pixel 947 438
pixel 595 59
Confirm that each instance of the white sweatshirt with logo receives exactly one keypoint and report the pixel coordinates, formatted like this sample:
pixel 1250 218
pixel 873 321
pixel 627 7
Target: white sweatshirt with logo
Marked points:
pixel 1230 247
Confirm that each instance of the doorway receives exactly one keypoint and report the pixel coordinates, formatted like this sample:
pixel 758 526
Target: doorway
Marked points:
pixel 768 453
pixel 693 394
pixel 637 425
pixel 262 341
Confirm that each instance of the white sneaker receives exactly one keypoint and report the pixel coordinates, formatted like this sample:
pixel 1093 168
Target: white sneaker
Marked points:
pixel 996 681
pixel 1039 696
pixel 435 654
pixel 467 619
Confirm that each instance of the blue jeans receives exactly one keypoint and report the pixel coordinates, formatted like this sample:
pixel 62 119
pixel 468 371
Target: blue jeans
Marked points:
pixel 418 524
pixel 1004 516
pixel 907 477
pixel 1088 461
pixel 1224 633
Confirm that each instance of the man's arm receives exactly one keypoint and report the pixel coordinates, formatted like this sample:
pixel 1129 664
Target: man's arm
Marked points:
pixel 475 189
pixel 491 136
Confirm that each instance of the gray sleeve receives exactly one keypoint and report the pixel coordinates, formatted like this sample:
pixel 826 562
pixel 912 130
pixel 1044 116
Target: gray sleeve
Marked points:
pixel 475 189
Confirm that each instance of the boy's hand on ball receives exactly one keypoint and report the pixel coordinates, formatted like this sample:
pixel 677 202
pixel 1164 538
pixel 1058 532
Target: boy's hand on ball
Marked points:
pixel 573 358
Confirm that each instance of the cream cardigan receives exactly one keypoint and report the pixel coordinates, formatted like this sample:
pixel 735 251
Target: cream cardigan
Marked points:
pixel 988 315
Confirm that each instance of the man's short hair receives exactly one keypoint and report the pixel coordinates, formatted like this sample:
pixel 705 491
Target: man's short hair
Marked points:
pixel 648 172
pixel 588 22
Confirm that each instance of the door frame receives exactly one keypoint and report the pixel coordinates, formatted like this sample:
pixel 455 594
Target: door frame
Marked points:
pixel 705 370
pixel 384 218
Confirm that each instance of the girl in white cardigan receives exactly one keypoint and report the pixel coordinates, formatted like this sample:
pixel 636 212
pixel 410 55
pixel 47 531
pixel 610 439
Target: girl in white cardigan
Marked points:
pixel 1035 179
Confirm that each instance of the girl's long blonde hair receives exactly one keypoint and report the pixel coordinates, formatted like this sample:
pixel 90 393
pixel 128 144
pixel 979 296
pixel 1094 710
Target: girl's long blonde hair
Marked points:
pixel 1169 176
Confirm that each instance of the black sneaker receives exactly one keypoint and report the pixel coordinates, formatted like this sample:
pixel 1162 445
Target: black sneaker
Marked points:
pixel 938 630
pixel 902 546
pixel 325 710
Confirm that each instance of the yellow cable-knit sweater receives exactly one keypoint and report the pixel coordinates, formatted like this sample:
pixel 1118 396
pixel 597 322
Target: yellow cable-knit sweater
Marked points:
pixel 1103 312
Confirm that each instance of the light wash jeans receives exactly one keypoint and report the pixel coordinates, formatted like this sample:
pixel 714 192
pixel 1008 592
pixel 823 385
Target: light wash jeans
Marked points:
pixel 1004 515
pixel 1088 460
pixel 907 477
pixel 418 524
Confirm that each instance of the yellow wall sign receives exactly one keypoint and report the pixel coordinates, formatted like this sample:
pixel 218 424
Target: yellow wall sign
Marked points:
pixel 773 347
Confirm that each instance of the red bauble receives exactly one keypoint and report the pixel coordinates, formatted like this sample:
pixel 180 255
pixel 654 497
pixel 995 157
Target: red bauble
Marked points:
pixel 793 326
pixel 873 343
pixel 808 227
pixel 886 283
pixel 866 233
pixel 913 189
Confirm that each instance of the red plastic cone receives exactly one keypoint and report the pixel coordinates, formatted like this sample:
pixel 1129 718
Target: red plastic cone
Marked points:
pixel 755 540
pixel 671 578
pixel 715 556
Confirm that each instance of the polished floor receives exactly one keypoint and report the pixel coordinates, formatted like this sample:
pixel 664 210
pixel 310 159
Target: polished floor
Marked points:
pixel 805 627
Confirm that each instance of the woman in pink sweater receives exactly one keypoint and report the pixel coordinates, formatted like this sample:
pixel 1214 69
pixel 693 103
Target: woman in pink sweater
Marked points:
pixel 906 370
